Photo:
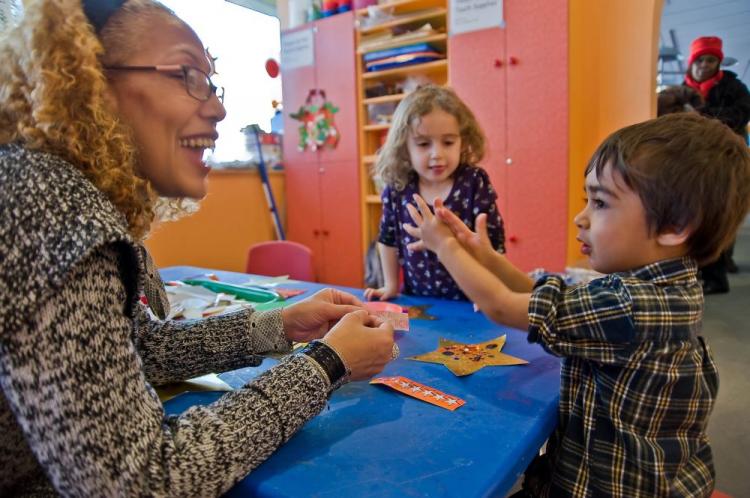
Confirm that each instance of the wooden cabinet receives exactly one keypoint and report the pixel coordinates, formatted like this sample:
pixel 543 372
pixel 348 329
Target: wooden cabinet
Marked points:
pixel 515 79
pixel 413 22
pixel 322 187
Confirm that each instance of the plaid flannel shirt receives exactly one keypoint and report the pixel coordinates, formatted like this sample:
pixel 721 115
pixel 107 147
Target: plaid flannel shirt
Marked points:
pixel 637 384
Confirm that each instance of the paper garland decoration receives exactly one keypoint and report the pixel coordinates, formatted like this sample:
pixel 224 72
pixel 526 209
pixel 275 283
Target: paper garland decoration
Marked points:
pixel 318 128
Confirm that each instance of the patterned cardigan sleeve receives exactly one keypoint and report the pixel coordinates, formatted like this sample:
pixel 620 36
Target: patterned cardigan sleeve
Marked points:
pixel 74 379
pixel 173 350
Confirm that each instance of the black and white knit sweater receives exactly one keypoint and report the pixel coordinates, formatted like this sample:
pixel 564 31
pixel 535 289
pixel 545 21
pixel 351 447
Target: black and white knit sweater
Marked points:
pixel 78 356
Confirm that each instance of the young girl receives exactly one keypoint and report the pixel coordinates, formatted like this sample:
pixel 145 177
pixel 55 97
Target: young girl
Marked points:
pixel 431 150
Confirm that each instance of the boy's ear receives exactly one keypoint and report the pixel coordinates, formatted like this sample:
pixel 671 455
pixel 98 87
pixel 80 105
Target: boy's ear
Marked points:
pixel 672 237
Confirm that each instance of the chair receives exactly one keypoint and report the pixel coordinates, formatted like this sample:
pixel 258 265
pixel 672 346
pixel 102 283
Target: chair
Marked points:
pixel 281 257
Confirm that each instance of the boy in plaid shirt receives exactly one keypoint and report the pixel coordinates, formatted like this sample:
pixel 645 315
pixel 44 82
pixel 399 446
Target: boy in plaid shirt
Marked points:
pixel 638 383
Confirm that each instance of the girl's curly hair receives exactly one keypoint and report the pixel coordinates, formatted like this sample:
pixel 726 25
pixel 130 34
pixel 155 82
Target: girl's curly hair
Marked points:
pixel 53 97
pixel 393 166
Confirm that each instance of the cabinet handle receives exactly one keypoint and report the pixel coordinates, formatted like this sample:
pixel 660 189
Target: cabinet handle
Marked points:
pixel 498 63
pixel 508 161
pixel 325 233
pixel 513 60
pixel 316 232
pixel 322 170
pixel 512 238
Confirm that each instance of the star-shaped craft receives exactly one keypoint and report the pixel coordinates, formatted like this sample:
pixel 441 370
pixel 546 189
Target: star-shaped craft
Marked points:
pixel 464 359
pixel 419 312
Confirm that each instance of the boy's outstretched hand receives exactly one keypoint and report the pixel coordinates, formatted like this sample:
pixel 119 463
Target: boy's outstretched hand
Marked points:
pixel 478 243
pixel 430 230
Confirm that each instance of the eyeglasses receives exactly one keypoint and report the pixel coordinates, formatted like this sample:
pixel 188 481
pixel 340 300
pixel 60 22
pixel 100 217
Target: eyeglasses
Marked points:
pixel 197 83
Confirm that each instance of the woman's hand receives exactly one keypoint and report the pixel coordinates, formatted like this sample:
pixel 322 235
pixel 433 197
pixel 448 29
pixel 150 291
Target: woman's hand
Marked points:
pixel 364 343
pixel 313 317
pixel 382 293
pixel 430 230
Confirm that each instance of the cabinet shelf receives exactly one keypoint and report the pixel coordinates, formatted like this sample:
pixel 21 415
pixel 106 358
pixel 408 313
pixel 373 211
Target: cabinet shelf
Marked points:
pixel 384 99
pixel 399 6
pixel 376 127
pixel 412 16
pixel 427 69
pixel 431 13
pixel 439 40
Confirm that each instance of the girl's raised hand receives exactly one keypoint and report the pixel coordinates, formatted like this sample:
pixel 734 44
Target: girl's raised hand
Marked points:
pixel 430 230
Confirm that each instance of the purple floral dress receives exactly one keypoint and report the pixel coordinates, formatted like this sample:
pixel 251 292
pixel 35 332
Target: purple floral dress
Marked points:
pixel 424 275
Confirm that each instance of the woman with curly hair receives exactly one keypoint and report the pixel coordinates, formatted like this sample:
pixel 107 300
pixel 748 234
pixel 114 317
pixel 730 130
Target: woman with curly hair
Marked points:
pixel 106 107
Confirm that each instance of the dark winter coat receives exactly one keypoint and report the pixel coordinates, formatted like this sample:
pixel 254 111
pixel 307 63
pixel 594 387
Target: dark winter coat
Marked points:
pixel 729 102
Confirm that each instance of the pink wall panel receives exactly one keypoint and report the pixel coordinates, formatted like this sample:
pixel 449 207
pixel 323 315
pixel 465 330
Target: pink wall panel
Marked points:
pixel 477 73
pixel 342 223
pixel 537 113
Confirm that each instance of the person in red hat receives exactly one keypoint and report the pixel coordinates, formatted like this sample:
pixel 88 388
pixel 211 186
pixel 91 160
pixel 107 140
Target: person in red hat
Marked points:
pixel 728 100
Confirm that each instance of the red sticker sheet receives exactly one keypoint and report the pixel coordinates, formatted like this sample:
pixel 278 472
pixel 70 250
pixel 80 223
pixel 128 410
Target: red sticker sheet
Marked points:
pixel 420 391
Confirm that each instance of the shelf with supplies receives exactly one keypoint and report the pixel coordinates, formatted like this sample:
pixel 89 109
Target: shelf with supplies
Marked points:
pixel 377 127
pixel 399 45
pixel 435 39
pixel 437 69
pixel 397 97
pixel 435 14
pixel 399 6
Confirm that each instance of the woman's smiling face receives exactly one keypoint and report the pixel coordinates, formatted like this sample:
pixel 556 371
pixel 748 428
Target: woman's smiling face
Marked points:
pixel 172 129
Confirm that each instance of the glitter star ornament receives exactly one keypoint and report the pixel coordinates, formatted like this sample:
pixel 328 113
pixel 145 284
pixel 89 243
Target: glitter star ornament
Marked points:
pixel 465 359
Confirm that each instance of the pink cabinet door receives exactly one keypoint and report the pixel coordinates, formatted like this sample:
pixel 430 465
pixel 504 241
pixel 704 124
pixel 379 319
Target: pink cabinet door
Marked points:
pixel 335 74
pixel 295 86
pixel 303 208
pixel 342 223
pixel 476 69
pixel 537 140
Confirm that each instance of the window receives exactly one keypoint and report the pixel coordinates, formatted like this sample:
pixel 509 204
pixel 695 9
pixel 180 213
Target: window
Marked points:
pixel 10 12
pixel 241 40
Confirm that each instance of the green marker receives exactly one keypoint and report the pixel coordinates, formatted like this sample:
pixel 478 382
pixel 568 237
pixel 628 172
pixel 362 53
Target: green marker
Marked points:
pixel 253 294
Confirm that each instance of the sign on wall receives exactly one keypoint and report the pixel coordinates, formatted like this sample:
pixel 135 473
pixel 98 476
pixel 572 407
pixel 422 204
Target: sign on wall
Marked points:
pixel 473 15
pixel 297 49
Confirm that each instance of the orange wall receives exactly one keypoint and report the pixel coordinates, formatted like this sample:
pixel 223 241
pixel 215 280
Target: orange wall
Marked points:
pixel 233 216
pixel 613 55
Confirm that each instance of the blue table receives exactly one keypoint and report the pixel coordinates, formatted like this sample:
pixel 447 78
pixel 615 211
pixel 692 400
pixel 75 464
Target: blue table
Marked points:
pixel 374 441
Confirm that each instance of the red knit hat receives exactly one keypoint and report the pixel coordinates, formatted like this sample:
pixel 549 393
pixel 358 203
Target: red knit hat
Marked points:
pixel 705 45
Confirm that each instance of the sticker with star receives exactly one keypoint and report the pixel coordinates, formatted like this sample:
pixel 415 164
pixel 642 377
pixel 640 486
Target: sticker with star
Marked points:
pixel 420 391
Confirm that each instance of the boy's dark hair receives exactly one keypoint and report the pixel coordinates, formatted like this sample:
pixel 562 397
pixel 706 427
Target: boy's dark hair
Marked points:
pixel 678 98
pixel 689 171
